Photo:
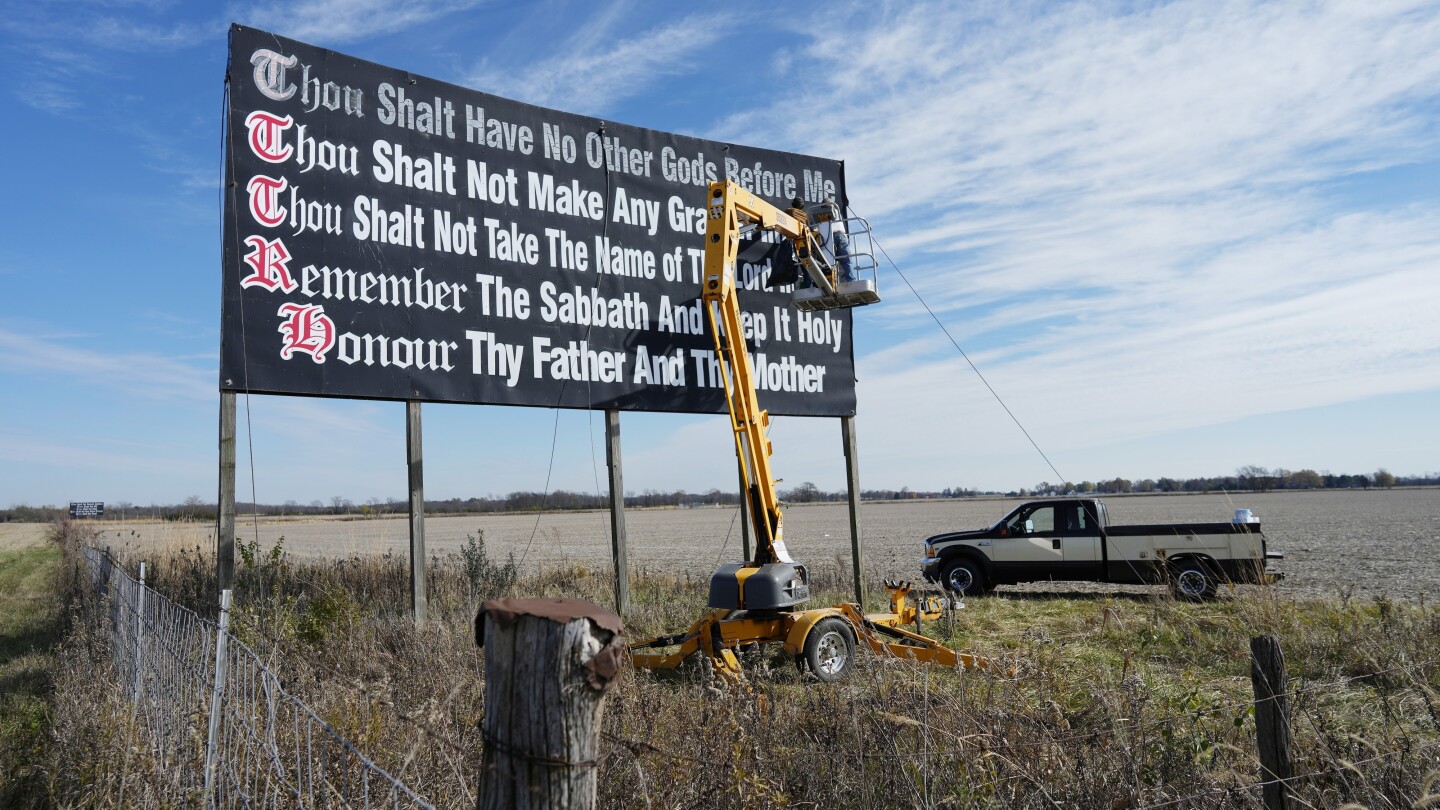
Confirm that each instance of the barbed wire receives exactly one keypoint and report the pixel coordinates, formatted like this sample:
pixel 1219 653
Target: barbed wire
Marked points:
pixel 1344 766
pixel 1165 720
pixel 983 741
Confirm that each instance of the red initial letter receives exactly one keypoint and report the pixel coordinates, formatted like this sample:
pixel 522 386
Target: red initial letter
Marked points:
pixel 265 136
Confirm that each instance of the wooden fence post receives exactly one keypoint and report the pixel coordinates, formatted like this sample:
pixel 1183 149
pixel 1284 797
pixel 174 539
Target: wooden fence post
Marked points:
pixel 548 663
pixel 1272 722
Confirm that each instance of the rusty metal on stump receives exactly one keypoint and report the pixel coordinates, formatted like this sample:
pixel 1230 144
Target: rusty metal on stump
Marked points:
pixel 1272 721
pixel 548 664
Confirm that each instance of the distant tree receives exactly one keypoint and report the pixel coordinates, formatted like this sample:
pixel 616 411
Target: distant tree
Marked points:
pixel 1306 479
pixel 805 493
pixel 1254 477
pixel 1384 478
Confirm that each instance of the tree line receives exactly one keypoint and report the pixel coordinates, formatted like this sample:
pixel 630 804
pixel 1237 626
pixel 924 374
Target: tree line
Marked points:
pixel 1250 478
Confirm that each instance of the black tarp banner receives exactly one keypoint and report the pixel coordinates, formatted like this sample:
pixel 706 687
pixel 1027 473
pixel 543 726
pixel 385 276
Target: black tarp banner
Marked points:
pixel 389 236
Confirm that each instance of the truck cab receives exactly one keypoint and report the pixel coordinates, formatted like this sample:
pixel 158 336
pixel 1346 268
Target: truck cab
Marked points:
pixel 1072 539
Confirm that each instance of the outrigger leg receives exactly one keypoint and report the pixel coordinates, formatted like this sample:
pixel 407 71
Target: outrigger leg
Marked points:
pixel 720 632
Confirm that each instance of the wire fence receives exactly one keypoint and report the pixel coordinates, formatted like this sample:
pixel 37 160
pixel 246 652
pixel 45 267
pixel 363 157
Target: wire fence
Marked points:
pixel 224 733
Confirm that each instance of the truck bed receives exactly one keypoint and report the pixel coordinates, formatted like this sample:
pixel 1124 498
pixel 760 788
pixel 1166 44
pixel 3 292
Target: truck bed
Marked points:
pixel 1157 529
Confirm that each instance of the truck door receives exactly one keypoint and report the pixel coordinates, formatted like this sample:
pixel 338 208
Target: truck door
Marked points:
pixel 1080 541
pixel 1029 548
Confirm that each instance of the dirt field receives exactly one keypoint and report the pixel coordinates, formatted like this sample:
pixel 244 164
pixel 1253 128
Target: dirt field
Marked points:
pixel 1379 542
pixel 15 536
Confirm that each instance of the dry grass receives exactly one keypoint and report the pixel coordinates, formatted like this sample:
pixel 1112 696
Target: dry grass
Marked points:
pixel 1123 700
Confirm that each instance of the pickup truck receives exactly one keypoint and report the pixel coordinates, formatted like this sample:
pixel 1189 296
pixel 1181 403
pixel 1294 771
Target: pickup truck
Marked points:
pixel 1072 539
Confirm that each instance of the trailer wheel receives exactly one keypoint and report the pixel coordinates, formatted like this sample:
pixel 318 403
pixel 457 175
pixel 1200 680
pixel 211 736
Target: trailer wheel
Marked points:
pixel 1192 581
pixel 830 649
pixel 963 576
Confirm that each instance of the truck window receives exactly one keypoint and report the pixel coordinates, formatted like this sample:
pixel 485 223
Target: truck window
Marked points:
pixel 1076 520
pixel 1042 520
pixel 1072 519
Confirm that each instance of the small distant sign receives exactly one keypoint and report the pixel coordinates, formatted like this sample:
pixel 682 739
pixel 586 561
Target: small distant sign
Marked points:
pixel 87 509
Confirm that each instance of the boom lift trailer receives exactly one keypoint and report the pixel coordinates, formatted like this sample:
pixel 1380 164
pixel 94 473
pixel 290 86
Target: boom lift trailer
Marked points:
pixel 758 601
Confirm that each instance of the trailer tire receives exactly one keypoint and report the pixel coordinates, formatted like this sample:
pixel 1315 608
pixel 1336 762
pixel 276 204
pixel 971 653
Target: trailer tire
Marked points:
pixel 964 576
pixel 1192 580
pixel 830 649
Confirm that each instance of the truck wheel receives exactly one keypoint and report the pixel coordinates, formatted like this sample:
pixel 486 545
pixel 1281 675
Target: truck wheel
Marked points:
pixel 963 576
pixel 1192 581
pixel 830 649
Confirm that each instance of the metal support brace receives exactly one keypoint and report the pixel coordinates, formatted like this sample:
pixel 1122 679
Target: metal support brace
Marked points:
pixel 225 518
pixel 852 480
pixel 618 540
pixel 139 635
pixel 415 458
pixel 217 694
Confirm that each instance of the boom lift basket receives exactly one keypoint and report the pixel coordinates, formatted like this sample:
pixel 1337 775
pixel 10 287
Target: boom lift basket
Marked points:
pixel 831 291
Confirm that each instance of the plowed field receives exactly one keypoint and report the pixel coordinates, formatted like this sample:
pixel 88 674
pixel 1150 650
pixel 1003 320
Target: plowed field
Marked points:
pixel 1370 542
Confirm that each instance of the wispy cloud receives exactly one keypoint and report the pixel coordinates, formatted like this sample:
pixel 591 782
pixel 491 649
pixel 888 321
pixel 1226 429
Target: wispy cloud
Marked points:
pixel 599 65
pixel 335 21
pixel 137 374
pixel 39 356
pixel 96 456
pixel 1129 215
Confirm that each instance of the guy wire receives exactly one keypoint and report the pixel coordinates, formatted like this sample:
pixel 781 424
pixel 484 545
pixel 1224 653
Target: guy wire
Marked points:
pixel 973 367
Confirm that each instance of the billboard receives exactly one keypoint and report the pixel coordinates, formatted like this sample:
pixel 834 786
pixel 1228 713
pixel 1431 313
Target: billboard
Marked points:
pixel 84 509
pixel 390 236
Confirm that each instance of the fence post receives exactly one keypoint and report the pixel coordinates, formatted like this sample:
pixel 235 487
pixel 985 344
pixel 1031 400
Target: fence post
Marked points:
pixel 1272 724
pixel 139 630
pixel 212 738
pixel 548 663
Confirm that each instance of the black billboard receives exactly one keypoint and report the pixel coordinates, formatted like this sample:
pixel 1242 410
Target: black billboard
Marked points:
pixel 390 236
pixel 87 509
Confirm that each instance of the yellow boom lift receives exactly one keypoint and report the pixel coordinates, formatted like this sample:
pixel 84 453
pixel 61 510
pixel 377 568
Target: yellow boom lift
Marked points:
pixel 759 601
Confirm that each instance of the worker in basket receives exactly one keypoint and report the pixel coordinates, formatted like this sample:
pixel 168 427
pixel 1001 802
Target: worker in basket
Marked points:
pixel 834 246
pixel 834 240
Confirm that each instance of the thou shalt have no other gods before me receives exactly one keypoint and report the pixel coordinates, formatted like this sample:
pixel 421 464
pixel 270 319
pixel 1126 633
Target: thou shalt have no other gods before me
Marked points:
pixel 394 237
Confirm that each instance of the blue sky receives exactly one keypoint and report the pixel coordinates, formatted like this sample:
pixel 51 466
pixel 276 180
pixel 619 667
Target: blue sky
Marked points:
pixel 1178 238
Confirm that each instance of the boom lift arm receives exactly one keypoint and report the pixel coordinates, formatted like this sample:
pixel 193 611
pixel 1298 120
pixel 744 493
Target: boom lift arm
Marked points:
pixel 757 601
pixel 732 211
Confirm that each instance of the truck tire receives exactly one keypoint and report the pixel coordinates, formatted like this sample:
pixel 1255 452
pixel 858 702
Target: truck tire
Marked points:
pixel 830 649
pixel 964 576
pixel 1192 580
